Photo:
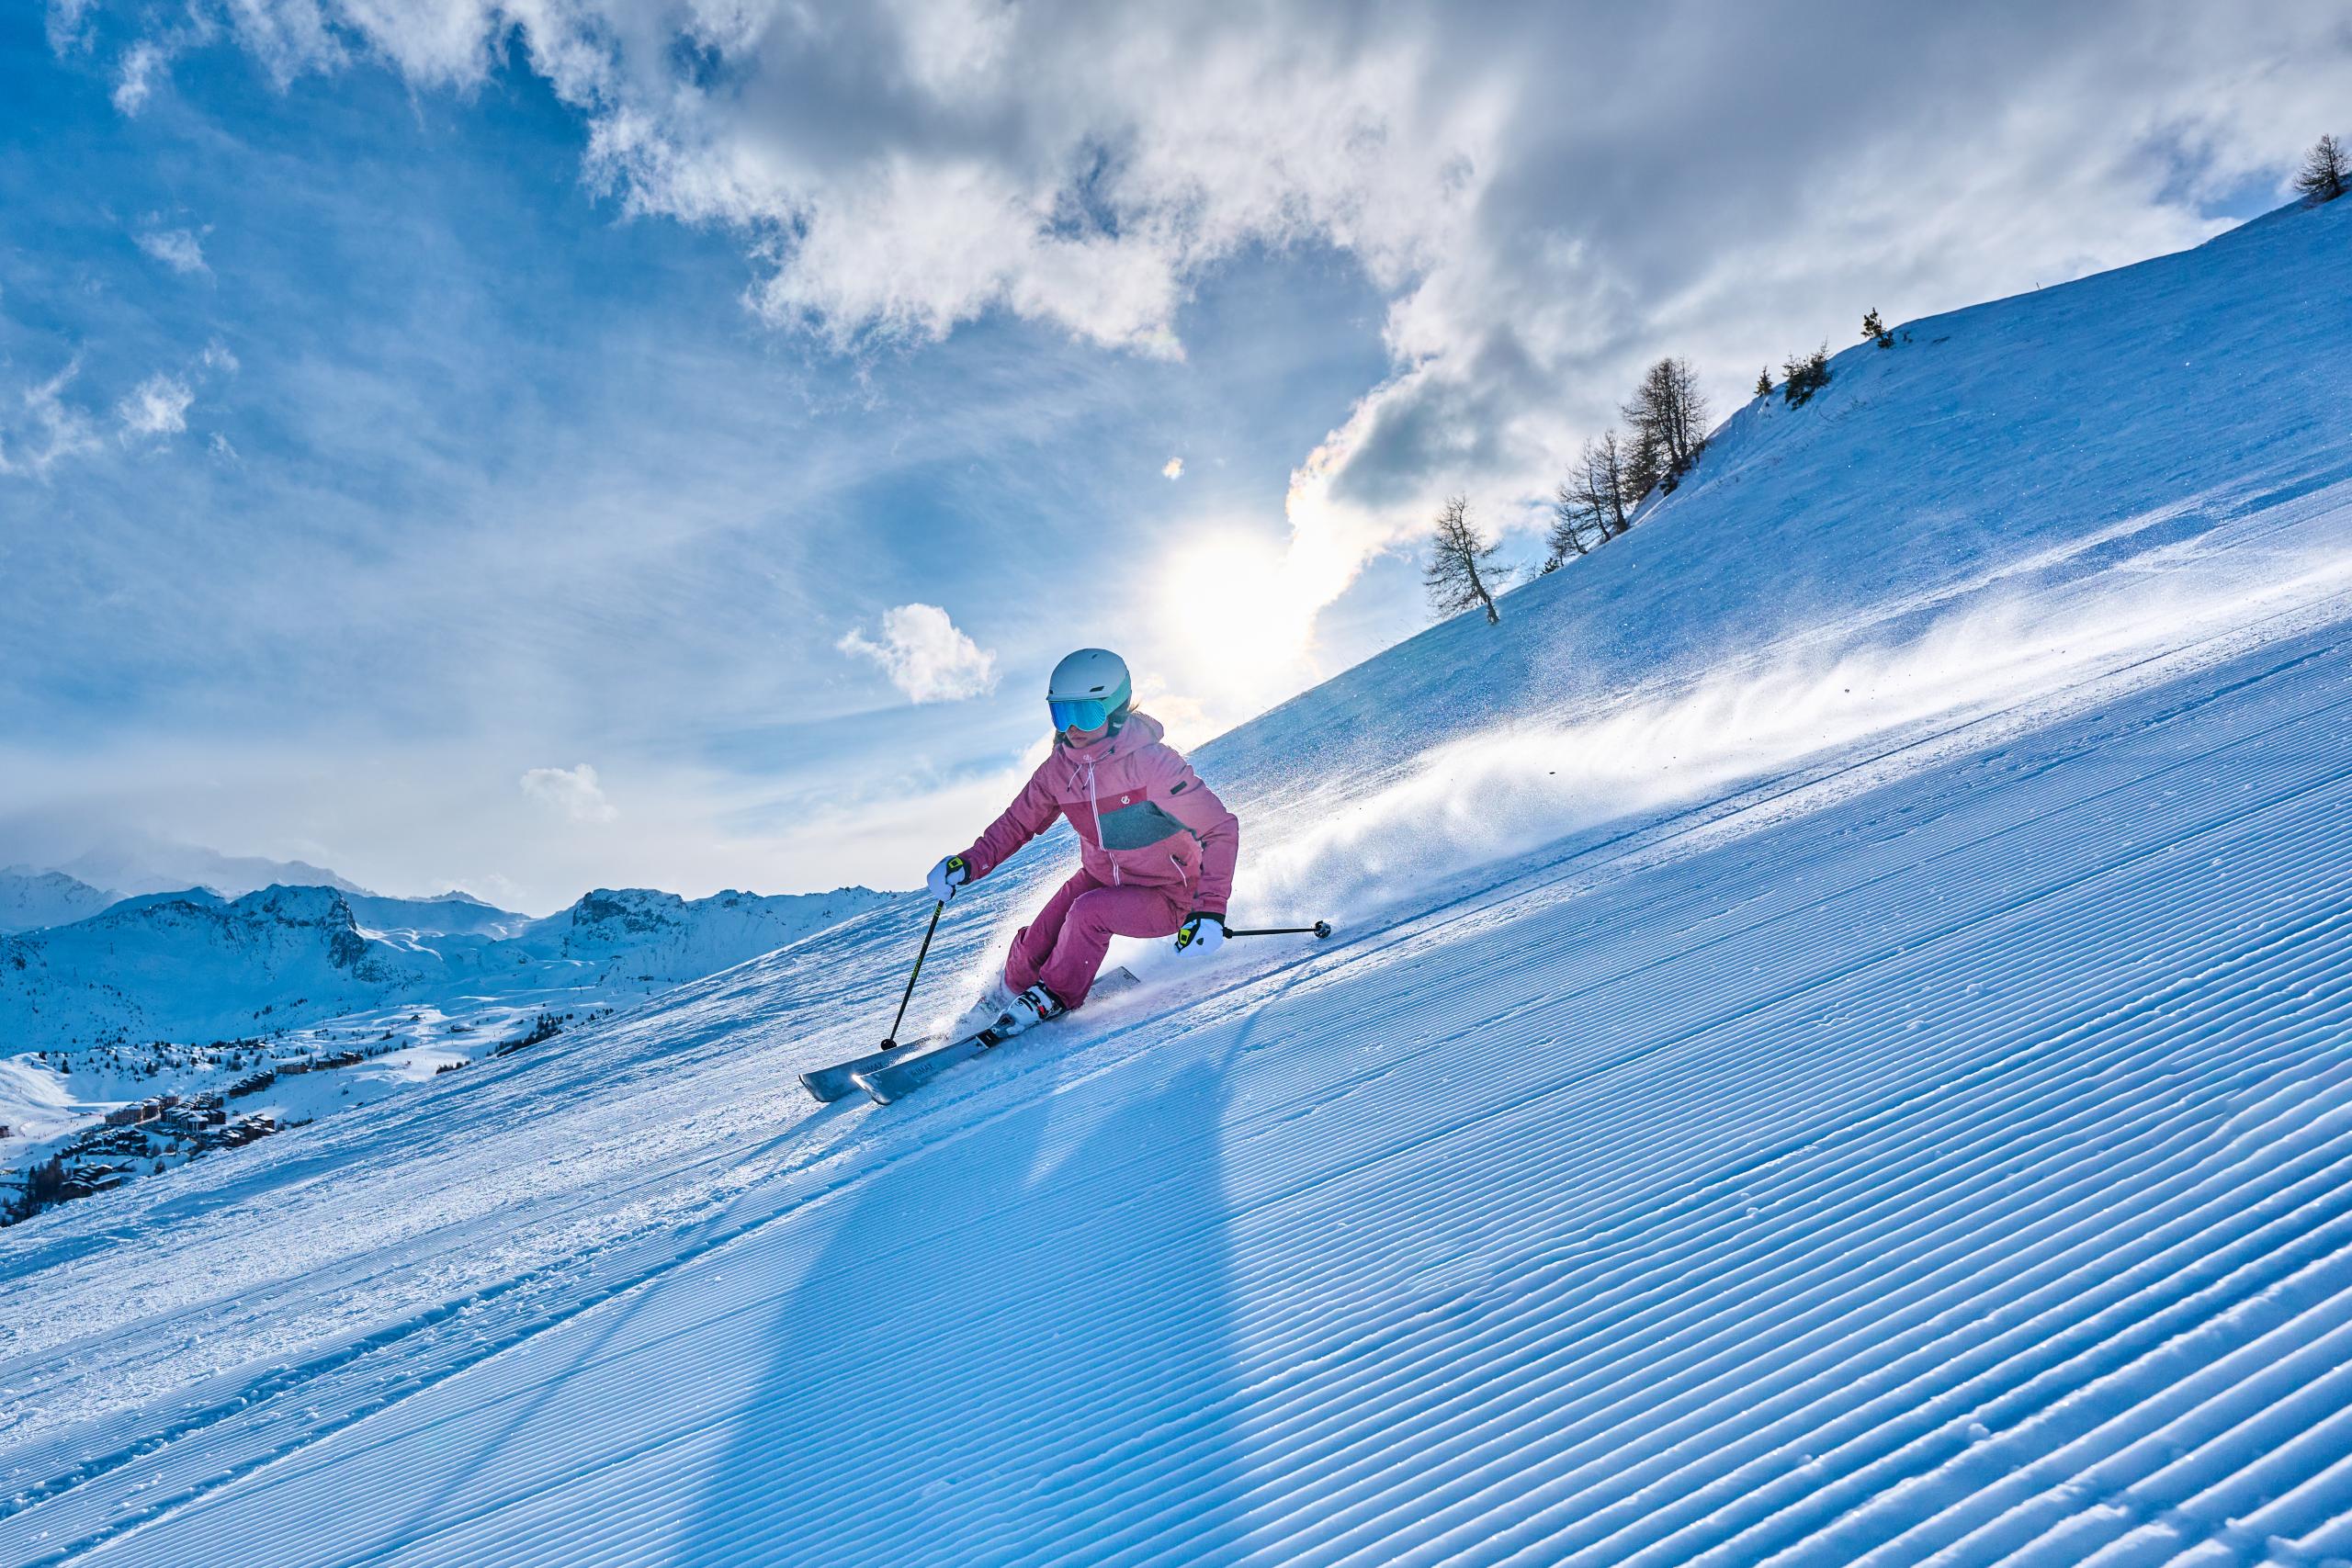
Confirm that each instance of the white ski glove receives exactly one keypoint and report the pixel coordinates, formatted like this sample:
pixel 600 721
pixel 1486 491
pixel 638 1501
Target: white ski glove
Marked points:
pixel 1200 935
pixel 946 876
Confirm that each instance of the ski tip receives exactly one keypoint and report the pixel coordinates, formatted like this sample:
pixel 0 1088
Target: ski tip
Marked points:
pixel 825 1085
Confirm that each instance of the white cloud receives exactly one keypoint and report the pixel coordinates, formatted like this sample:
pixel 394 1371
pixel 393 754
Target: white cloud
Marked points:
pixel 574 792
pixel 44 429
pixel 925 656
pixel 156 407
pixel 179 249
pixel 135 80
pixel 66 29
pixel 1173 469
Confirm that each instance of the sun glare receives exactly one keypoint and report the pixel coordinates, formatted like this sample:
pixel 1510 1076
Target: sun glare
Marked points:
pixel 1230 596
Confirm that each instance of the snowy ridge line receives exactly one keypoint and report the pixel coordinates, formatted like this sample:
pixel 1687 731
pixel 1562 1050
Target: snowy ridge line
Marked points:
pixel 2295 854
pixel 2125 626
pixel 1813 783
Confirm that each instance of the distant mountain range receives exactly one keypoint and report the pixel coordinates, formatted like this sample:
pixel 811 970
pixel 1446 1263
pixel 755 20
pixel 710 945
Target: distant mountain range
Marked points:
pixel 194 966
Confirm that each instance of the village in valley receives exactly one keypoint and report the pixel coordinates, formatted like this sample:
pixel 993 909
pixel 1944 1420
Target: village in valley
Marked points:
pixel 284 1081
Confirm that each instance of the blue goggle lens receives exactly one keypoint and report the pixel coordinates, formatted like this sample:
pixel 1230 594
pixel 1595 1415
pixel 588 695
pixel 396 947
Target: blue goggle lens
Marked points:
pixel 1085 713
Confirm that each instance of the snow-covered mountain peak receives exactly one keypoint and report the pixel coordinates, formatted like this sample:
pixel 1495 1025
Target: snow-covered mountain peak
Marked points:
pixel 191 965
pixel 30 899
pixel 651 935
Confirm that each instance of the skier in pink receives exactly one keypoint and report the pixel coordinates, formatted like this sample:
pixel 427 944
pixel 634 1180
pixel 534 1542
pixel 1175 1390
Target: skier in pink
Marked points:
pixel 1156 847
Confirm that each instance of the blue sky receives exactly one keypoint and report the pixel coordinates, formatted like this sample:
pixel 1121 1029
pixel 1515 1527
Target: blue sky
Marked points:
pixel 508 477
pixel 465 451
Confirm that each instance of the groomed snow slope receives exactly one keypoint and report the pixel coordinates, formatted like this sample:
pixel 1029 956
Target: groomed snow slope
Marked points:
pixel 1910 1114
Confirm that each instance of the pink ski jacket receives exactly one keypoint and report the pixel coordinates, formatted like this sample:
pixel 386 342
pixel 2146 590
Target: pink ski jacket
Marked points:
pixel 1143 817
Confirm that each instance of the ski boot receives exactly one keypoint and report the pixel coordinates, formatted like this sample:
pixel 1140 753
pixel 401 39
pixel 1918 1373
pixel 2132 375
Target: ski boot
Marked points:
pixel 1031 1008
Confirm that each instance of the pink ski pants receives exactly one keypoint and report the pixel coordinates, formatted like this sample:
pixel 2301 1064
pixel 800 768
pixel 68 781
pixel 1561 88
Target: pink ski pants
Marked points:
pixel 1064 944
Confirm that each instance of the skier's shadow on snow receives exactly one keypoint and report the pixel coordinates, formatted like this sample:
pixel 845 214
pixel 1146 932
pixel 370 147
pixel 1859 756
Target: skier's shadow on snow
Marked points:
pixel 1016 1344
pixel 611 1325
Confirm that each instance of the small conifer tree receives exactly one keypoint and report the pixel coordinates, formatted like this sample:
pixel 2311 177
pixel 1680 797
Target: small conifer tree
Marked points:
pixel 1805 376
pixel 1645 466
pixel 1875 329
pixel 1764 382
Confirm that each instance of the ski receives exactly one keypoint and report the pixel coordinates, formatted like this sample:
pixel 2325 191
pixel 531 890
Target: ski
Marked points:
pixel 896 1075
pixel 826 1085
pixel 897 1079
pixel 829 1084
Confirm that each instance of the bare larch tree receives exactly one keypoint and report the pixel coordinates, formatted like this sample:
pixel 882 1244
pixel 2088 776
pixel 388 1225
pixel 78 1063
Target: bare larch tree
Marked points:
pixel 1669 415
pixel 1607 493
pixel 1568 524
pixel 1456 551
pixel 1570 520
pixel 2325 172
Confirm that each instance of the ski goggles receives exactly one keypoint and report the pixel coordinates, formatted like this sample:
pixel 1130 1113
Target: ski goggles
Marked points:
pixel 1079 713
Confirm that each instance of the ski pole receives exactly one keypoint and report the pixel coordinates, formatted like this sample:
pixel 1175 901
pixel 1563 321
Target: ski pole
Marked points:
pixel 1320 928
pixel 890 1041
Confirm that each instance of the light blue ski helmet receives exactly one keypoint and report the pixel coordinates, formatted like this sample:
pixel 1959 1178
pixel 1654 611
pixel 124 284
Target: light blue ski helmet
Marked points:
pixel 1090 689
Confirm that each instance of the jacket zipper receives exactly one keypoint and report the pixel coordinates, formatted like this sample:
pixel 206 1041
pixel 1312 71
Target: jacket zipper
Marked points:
pixel 1095 802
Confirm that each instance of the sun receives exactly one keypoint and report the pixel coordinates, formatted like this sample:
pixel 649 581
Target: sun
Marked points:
pixel 1232 600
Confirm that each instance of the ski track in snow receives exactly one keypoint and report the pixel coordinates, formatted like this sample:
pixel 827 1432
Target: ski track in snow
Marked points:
pixel 1888 1106
pixel 1951 1173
